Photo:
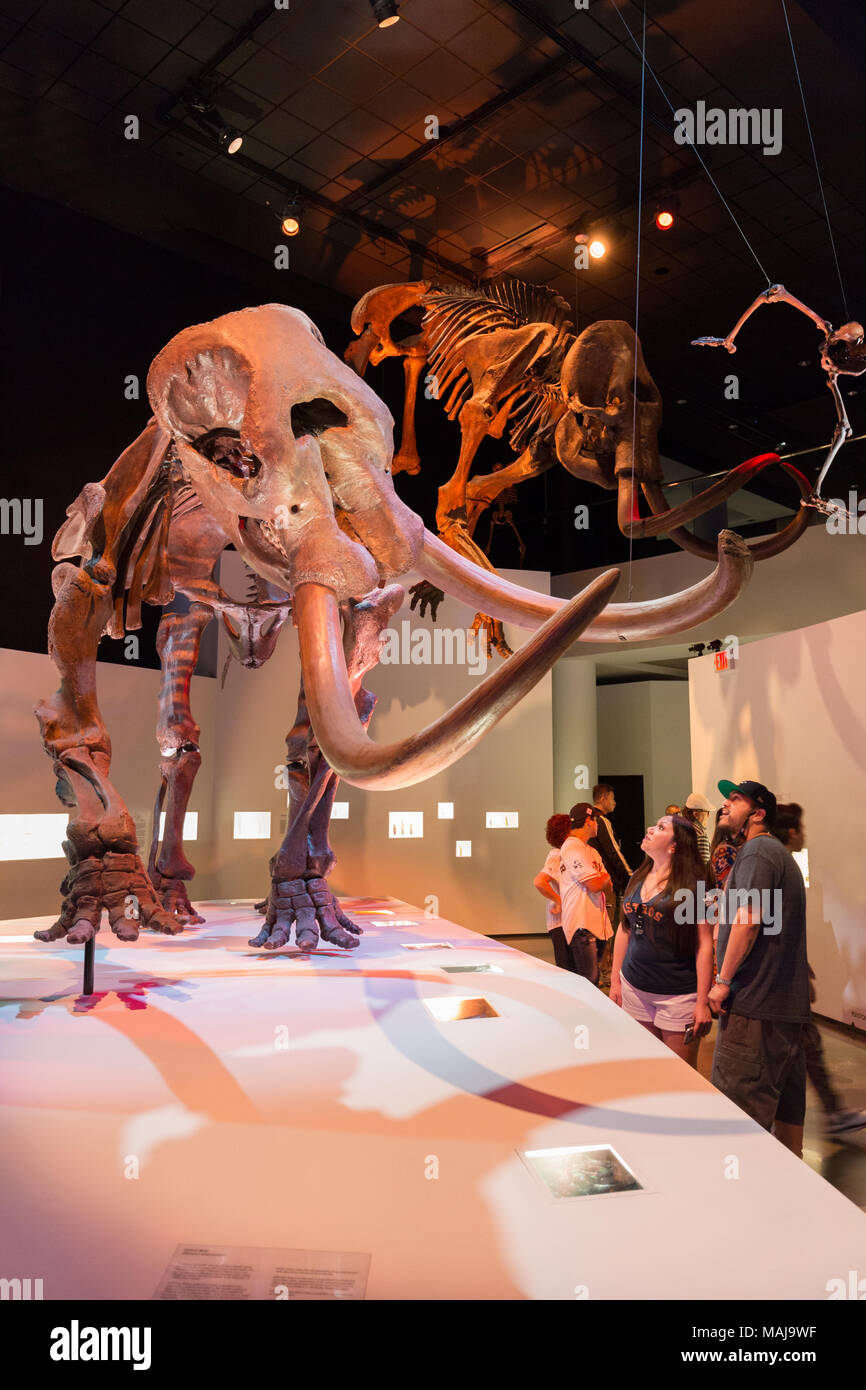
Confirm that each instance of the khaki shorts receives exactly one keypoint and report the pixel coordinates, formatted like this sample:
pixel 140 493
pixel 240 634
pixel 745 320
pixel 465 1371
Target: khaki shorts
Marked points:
pixel 760 1064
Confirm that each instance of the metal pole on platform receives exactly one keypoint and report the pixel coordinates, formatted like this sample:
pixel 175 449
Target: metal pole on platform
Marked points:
pixel 89 952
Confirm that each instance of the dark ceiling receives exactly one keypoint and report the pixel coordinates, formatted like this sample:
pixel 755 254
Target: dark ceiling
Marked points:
pixel 539 108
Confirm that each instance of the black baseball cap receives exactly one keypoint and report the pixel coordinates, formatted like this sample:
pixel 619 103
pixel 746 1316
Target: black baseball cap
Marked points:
pixel 756 791
pixel 580 814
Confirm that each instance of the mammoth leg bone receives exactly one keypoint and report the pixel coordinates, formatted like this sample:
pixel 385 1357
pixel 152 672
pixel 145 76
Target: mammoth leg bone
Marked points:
pixel 177 735
pixel 619 622
pixel 406 459
pixel 299 896
pixel 105 871
pixel 334 717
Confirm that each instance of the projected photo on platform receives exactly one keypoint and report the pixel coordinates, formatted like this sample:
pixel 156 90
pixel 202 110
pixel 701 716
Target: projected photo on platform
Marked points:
pixel 455 1010
pixel 581 1172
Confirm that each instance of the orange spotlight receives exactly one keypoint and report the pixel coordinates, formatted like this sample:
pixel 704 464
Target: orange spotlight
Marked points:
pixel 664 220
pixel 597 249
pixel 291 226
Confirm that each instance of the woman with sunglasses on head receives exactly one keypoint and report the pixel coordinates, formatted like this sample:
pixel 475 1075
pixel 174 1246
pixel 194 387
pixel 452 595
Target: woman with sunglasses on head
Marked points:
pixel 663 958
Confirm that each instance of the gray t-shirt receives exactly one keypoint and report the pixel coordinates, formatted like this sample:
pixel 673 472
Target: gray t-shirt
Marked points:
pixel 773 980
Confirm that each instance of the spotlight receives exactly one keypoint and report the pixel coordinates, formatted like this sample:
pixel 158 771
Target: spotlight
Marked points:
pixel 230 139
pixel 385 12
pixel 288 215
pixel 211 122
pixel 597 249
pixel 664 220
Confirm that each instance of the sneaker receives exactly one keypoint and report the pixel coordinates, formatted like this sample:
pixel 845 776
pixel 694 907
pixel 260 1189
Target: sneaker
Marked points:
pixel 841 1120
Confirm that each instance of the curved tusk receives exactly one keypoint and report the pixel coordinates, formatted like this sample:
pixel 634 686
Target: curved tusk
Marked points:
pixel 667 518
pixel 620 622
pixel 760 550
pixel 339 733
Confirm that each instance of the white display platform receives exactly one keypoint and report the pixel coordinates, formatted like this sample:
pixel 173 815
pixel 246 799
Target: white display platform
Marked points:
pixel 313 1103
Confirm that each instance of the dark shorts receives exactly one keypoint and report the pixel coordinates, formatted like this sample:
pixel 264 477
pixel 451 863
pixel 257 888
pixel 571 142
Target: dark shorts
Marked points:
pixel 586 950
pixel 760 1064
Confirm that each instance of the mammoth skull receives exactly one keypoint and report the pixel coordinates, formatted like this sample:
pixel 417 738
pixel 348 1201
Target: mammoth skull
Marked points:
pixel 614 408
pixel 290 451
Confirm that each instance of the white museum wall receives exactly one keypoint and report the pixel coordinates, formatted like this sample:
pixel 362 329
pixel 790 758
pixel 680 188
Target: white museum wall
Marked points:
pixel 128 700
pixel 575 731
pixel 511 769
pixel 643 730
pixel 821 576
pixel 791 715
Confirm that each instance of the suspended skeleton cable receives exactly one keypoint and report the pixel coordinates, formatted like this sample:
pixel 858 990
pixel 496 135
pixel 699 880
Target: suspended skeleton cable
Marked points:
pixel 815 159
pixel 692 146
pixel 637 290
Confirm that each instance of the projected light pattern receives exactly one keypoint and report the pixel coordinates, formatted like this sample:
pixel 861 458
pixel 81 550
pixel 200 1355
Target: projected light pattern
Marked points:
pixel 340 810
pixel 463 849
pixel 445 810
pixel 501 820
pixel 801 858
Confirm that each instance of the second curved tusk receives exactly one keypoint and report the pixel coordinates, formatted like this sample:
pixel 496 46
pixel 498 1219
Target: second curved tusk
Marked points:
pixel 343 740
pixel 619 622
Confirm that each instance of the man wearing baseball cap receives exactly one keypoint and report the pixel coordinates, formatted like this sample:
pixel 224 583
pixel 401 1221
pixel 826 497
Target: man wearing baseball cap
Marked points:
pixel 583 882
pixel 761 992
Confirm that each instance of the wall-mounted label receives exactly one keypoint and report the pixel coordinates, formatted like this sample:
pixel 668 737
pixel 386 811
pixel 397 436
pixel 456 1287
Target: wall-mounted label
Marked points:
pixel 190 825
pixel 405 825
pixel 501 820
pixel 252 825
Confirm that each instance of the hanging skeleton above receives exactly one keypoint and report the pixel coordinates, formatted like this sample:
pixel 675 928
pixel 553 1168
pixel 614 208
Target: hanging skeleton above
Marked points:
pixel 843 353
pixel 504 361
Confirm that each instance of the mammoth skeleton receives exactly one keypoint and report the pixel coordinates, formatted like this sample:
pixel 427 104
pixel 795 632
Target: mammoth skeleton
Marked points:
pixel 263 439
pixel 506 358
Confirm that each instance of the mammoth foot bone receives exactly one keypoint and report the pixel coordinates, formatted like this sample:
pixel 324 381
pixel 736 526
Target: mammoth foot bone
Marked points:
pixel 175 899
pixel 116 883
pixel 490 631
pixel 308 905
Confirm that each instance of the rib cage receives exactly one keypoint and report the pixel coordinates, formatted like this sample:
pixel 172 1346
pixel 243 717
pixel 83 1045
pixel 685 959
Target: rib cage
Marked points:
pixel 454 315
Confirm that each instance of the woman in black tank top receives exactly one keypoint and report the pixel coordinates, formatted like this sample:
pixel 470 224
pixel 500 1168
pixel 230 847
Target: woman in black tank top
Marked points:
pixel 663 957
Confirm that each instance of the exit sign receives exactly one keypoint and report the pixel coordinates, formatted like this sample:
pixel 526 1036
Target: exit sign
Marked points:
pixel 720 661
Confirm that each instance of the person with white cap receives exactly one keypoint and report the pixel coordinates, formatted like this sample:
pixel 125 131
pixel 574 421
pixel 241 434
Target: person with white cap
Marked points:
pixel 697 810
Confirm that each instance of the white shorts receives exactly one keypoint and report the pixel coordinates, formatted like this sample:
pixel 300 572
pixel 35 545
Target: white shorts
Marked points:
pixel 672 1013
